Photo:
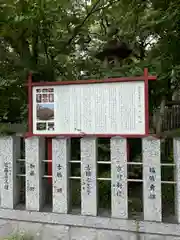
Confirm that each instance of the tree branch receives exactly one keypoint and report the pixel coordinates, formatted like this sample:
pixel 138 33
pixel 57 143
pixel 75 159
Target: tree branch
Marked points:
pixel 106 6
pixel 76 30
pixel 92 11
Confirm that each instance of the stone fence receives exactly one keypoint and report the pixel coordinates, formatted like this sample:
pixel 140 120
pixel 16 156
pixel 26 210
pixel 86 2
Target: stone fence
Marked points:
pixel 86 225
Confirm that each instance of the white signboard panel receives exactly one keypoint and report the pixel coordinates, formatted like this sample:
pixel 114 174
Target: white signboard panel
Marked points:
pixel 99 108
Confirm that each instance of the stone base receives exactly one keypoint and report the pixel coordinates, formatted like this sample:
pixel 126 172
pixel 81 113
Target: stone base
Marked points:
pixel 56 232
pixel 47 226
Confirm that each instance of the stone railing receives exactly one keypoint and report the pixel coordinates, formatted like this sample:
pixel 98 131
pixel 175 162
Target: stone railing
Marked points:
pixel 34 188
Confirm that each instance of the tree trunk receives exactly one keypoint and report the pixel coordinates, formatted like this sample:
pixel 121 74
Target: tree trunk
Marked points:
pixel 158 120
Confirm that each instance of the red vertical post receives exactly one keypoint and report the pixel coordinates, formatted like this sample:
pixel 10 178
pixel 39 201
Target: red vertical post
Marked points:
pixel 30 109
pixel 128 151
pixel 146 96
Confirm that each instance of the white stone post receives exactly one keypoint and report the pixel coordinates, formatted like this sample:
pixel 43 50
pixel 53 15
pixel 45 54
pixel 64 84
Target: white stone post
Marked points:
pixel 152 179
pixel 89 176
pixel 35 153
pixel 60 174
pixel 176 147
pixel 119 195
pixel 9 152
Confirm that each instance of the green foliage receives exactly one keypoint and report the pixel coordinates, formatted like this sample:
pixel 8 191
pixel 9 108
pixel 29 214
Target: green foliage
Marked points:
pixel 19 237
pixel 5 130
pixel 59 39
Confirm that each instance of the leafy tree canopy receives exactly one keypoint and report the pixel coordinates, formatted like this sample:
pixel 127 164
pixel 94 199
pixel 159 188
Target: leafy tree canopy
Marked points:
pixel 59 40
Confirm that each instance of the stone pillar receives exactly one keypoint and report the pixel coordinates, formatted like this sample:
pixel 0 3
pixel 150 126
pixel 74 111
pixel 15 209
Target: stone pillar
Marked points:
pixel 60 173
pixel 176 147
pixel 89 176
pixel 152 179
pixel 35 153
pixel 119 194
pixel 9 152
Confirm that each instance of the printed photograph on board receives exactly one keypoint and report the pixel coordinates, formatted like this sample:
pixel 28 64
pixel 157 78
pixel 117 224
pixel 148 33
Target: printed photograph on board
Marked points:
pixel 38 90
pixel 50 126
pixel 45 90
pixel 41 126
pixel 50 90
pixel 38 98
pixel 51 97
pixel 45 112
pixel 45 98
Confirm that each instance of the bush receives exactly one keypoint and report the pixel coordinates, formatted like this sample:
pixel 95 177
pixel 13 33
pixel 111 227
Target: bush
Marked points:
pixel 19 237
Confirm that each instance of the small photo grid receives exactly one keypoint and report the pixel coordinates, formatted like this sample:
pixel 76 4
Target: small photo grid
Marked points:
pixel 41 126
pixel 44 126
pixel 50 126
pixel 45 95
pixel 45 109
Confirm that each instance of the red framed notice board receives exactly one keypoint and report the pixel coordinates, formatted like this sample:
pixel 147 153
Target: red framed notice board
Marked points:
pixel 102 108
